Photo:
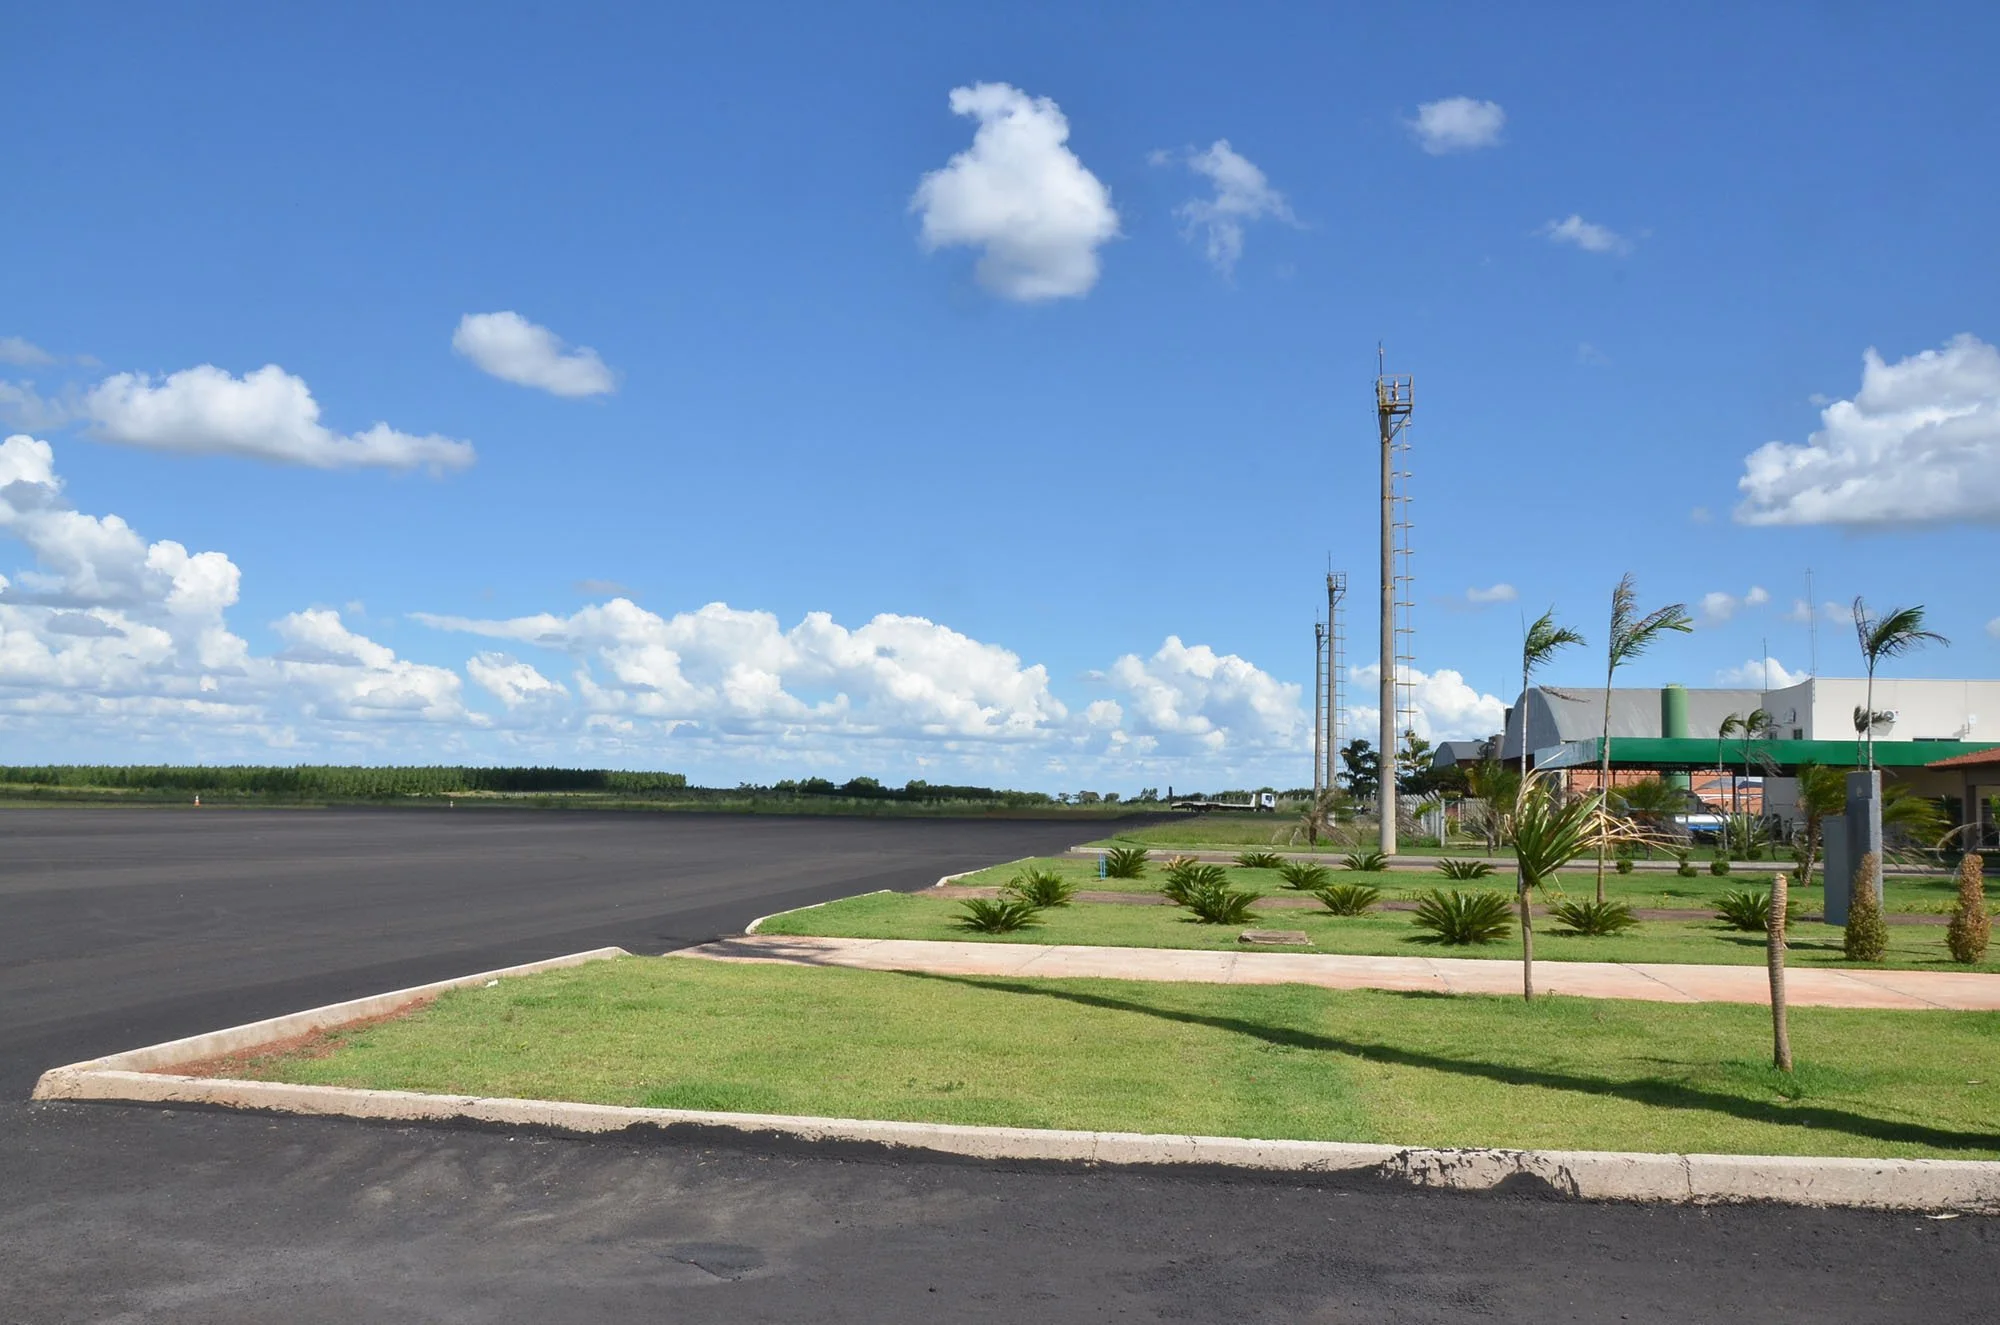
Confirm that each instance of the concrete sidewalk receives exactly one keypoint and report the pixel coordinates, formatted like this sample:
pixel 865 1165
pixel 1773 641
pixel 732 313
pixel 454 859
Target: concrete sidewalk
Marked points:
pixel 1658 983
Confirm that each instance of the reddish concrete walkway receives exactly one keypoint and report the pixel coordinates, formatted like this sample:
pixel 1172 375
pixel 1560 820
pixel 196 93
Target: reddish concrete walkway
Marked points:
pixel 1652 982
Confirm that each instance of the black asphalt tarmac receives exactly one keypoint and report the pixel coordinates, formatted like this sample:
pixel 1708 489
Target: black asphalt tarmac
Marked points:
pixel 120 928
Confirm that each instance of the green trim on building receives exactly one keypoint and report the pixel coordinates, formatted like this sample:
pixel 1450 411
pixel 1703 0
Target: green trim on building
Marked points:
pixel 1700 752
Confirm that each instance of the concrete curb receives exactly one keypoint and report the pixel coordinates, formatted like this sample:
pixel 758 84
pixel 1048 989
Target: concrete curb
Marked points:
pixel 758 923
pixel 57 1081
pixel 1970 1186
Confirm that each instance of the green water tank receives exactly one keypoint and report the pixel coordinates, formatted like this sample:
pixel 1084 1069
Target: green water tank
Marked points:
pixel 1674 722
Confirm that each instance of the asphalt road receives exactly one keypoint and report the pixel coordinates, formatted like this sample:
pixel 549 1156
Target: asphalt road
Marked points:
pixel 123 927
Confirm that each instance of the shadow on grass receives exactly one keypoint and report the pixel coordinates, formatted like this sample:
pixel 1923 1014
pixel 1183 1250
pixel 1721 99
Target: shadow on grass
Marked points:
pixel 1661 1094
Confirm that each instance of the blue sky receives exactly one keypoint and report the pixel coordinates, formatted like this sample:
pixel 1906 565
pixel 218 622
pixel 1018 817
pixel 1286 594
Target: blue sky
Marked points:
pixel 1093 401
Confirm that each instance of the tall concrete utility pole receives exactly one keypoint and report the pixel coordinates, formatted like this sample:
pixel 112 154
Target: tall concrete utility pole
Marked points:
pixel 1392 414
pixel 1319 707
pixel 1336 663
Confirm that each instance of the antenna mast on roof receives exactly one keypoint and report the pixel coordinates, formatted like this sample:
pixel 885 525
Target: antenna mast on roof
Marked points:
pixel 1812 625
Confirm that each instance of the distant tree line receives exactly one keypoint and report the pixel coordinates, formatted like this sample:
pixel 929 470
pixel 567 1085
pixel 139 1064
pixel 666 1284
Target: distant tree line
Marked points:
pixel 915 791
pixel 340 781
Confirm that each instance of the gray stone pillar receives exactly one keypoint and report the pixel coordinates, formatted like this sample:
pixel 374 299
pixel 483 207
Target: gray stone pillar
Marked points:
pixel 1849 837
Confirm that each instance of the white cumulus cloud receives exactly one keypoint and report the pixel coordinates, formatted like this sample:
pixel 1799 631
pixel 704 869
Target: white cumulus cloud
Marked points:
pixel 1447 707
pixel 24 407
pixel 1753 673
pixel 1586 235
pixel 1458 124
pixel 1918 444
pixel 1191 698
pixel 1499 593
pixel 267 415
pixel 741 673
pixel 1242 195
pixel 105 635
pixel 1720 606
pixel 1020 196
pixel 26 354
pixel 510 680
pixel 513 349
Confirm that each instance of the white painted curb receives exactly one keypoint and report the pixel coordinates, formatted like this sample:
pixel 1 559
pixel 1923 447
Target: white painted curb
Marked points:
pixel 758 923
pixel 1971 1186
pixel 54 1082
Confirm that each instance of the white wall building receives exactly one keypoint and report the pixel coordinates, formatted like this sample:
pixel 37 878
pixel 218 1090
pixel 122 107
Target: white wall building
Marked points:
pixel 1822 709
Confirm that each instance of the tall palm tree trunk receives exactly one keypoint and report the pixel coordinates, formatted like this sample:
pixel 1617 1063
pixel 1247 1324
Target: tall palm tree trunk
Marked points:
pixel 1604 769
pixel 1781 1031
pixel 1527 944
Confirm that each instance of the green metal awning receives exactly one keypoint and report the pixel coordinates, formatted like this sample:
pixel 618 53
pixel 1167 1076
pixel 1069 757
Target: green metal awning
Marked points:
pixel 1700 752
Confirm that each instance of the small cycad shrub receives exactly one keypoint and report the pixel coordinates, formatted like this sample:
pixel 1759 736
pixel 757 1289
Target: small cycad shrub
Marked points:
pixel 1595 918
pixel 1867 937
pixel 1186 878
pixel 1745 909
pixel 1304 875
pixel 996 915
pixel 1125 862
pixel 1218 904
pixel 1971 927
pixel 1457 918
pixel 1260 860
pixel 1348 899
pixel 1365 862
pixel 1464 869
pixel 1042 888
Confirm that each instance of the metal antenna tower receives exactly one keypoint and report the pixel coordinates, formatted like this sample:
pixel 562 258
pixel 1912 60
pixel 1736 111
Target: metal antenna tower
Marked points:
pixel 1393 403
pixel 1335 715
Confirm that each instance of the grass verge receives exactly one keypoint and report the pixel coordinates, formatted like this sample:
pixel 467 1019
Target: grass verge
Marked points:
pixel 1380 934
pixel 1284 1061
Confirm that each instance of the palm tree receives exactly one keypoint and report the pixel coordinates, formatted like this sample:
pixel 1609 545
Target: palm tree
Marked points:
pixel 1631 635
pixel 1548 835
pixel 1822 791
pixel 1891 635
pixel 1730 726
pixel 1757 725
pixel 1917 820
pixel 1774 958
pixel 1538 646
pixel 1653 802
pixel 1497 787
pixel 1321 813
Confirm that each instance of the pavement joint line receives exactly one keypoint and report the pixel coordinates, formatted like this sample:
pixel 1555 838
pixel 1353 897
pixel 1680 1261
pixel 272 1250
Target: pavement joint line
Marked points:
pixel 1661 981
pixel 1884 980
pixel 1965 1186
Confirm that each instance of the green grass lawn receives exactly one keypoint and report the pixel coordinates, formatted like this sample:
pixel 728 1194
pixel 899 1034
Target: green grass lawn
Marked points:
pixel 1212 831
pixel 1380 934
pixel 1639 890
pixel 1286 1061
